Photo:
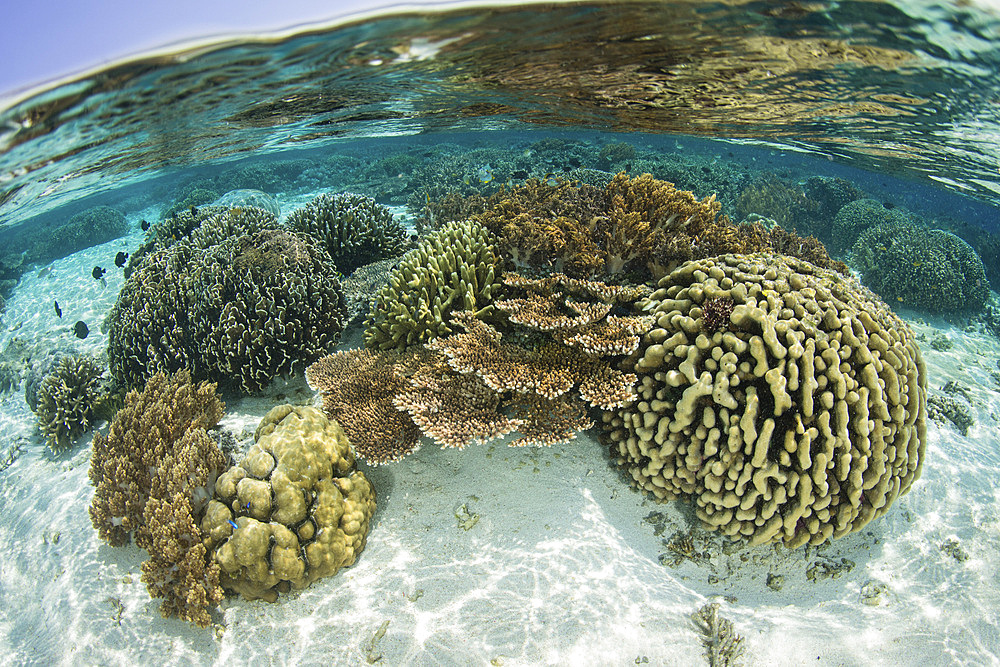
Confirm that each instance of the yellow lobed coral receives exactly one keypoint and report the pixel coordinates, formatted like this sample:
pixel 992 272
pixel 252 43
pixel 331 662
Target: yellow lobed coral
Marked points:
pixel 301 510
pixel 799 420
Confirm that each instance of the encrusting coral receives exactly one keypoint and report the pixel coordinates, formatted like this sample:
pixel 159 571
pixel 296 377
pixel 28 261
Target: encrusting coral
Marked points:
pixel 67 398
pixel 293 511
pixel 455 268
pixel 799 419
pixel 354 229
pixel 153 475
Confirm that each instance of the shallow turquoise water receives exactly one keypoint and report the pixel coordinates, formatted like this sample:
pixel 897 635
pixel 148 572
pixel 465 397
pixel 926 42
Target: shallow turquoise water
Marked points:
pixel 562 565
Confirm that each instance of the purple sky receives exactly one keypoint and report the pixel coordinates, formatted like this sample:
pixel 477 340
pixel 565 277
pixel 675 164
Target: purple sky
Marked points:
pixel 42 40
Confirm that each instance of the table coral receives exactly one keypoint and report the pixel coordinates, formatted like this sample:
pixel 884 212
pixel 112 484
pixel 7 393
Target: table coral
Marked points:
pixel 300 508
pixel 801 421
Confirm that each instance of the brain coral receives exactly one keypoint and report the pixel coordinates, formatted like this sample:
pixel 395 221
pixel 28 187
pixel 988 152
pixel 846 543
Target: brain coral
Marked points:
pixel 301 510
pixel 928 269
pixel 66 400
pixel 857 216
pixel 801 420
pixel 455 268
pixel 354 229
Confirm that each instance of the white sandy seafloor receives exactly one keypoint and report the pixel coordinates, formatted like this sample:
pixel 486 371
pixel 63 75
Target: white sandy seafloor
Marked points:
pixel 505 556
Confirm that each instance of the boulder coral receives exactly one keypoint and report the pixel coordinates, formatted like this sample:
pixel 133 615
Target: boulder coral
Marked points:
pixel 857 216
pixel 799 420
pixel 293 511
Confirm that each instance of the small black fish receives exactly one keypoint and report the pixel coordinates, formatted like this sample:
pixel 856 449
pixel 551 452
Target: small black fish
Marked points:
pixel 144 225
pixel 98 272
pixel 81 330
pixel 194 210
pixel 58 309
pixel 120 259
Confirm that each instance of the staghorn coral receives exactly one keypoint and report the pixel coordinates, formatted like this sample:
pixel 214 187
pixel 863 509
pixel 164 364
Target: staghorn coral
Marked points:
pixel 153 475
pixel 455 268
pixel 927 269
pixel 300 508
pixel 642 213
pixel 66 400
pixel 541 224
pixel 354 229
pixel 802 422
pixel 723 645
pixel 358 389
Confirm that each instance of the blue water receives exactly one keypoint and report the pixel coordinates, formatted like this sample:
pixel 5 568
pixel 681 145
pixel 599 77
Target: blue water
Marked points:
pixel 563 562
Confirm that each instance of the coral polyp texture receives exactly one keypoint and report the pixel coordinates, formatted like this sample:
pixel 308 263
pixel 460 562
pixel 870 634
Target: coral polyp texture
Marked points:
pixel 455 268
pixel 801 420
pixel 354 229
pixel 239 312
pixel 293 511
pixel 927 269
pixel 66 400
pixel 153 474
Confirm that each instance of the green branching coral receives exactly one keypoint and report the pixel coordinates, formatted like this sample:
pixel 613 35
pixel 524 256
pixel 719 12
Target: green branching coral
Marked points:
pixel 354 229
pixel 928 269
pixel 240 312
pixel 455 268
pixel 66 400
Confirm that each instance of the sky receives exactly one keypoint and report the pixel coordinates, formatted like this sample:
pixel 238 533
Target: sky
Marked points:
pixel 44 40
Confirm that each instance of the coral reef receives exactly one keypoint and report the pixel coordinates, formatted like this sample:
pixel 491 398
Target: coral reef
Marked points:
pixel 802 421
pixel 455 268
pixel 247 198
pixel 293 511
pixel 856 217
pixel 771 196
pixel 153 474
pixel 353 228
pixel 66 400
pixel 830 193
pixel 239 312
pixel 472 387
pixel 927 269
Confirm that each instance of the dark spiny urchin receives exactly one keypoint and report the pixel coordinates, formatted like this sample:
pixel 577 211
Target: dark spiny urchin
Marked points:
pixel 354 229
pixel 715 313
pixel 66 400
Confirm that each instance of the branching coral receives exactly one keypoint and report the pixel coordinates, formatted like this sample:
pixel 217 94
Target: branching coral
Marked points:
pixel 66 399
pixel 354 229
pixel 455 268
pixel 153 474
